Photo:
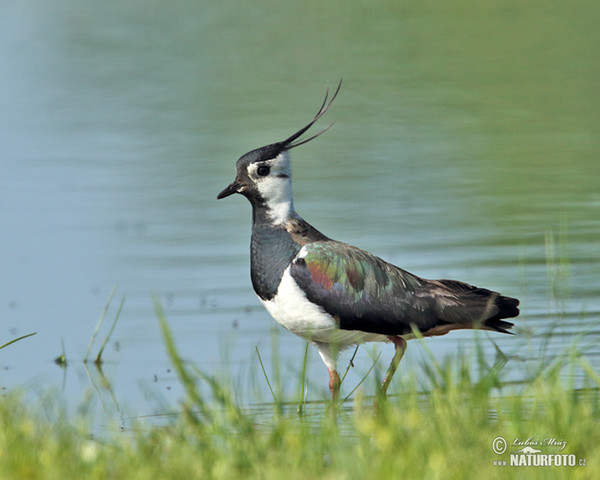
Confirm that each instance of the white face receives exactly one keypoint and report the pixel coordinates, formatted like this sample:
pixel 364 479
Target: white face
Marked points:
pixel 273 179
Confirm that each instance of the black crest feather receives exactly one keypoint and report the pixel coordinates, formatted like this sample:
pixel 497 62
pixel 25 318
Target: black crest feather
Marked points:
pixel 289 142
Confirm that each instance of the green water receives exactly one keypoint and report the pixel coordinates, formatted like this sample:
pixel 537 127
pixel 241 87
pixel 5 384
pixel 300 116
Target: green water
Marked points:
pixel 465 146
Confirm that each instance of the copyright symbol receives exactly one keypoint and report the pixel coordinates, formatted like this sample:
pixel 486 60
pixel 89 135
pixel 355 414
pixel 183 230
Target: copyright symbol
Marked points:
pixel 499 445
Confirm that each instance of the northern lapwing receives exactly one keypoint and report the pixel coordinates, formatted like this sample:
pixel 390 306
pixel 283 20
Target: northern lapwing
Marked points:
pixel 336 295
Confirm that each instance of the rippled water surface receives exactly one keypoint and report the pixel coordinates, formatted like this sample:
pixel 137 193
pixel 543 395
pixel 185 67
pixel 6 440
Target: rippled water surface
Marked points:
pixel 465 146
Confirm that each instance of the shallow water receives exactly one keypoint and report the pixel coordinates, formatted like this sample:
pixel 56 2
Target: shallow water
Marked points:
pixel 465 146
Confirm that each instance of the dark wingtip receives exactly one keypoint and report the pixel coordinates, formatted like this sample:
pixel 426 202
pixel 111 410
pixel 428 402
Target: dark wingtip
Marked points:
pixel 500 326
pixel 508 307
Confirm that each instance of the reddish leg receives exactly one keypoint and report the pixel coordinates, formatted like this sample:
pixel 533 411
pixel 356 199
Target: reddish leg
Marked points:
pixel 334 384
pixel 400 345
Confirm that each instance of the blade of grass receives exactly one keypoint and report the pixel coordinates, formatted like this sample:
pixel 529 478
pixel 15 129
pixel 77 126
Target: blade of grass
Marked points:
pixel 499 363
pixel 262 366
pixel 100 320
pixel 587 368
pixel 364 378
pixel 276 365
pixel 302 398
pixel 350 364
pixel 185 378
pixel 98 360
pixel 16 340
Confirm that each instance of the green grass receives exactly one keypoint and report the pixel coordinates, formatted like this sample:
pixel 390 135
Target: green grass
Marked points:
pixel 446 432
pixel 15 340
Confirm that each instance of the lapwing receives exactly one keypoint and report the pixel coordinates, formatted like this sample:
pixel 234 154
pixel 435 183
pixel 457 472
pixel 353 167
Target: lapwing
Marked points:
pixel 333 294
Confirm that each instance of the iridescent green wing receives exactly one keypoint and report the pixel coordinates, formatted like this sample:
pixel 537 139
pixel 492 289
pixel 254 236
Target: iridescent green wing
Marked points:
pixel 362 291
pixel 365 293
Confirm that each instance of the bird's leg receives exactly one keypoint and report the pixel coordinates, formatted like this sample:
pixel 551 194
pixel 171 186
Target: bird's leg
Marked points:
pixel 334 384
pixel 329 353
pixel 400 345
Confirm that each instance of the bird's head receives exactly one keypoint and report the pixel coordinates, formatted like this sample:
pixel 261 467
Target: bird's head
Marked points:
pixel 264 175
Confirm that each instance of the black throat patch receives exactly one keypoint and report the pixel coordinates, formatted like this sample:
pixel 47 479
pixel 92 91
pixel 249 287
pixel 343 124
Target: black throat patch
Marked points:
pixel 271 251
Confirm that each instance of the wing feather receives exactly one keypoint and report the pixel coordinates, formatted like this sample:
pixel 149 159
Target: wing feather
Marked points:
pixel 363 292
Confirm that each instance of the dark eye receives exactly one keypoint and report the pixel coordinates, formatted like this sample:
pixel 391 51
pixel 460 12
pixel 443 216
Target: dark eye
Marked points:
pixel 263 171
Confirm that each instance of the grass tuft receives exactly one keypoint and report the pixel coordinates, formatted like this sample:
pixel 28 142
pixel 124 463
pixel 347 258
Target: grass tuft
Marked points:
pixel 442 424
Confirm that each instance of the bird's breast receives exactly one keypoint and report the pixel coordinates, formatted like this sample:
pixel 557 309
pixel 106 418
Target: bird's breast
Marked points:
pixel 293 311
pixel 271 251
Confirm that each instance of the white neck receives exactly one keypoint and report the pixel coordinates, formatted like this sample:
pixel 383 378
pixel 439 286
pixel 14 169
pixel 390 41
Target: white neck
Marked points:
pixel 279 200
pixel 276 190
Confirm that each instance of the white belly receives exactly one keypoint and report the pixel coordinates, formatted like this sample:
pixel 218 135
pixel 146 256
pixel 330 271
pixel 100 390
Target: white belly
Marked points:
pixel 293 311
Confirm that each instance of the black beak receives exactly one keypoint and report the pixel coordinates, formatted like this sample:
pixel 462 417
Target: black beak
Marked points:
pixel 230 189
